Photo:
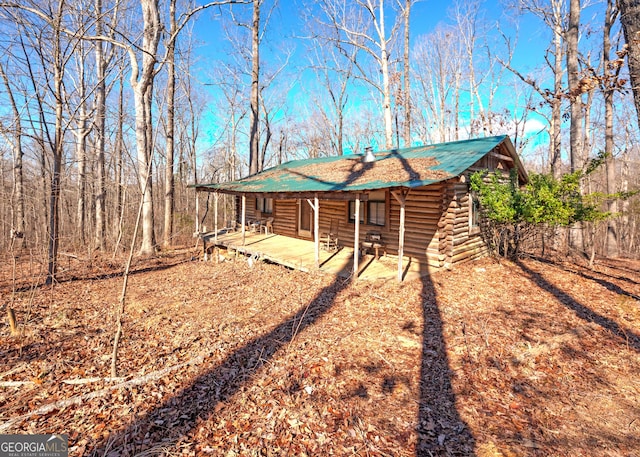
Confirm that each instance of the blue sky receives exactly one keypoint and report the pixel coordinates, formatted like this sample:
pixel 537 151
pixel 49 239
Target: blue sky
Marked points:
pixel 287 27
pixel 425 16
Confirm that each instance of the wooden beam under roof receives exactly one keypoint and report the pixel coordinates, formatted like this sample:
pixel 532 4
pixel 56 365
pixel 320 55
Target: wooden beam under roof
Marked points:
pixel 501 157
pixel 337 195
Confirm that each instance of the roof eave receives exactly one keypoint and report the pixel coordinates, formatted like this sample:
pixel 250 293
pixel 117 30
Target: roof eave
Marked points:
pixel 522 173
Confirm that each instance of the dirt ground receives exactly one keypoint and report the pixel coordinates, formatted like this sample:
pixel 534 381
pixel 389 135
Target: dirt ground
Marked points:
pixel 528 358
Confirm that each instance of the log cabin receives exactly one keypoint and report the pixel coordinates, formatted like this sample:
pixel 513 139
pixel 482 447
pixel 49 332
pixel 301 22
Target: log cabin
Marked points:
pixel 413 202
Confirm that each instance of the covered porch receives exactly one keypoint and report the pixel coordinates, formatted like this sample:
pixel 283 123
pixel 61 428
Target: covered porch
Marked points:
pixel 301 255
pixel 310 250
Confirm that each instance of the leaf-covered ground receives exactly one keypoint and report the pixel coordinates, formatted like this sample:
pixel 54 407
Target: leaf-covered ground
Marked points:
pixel 491 359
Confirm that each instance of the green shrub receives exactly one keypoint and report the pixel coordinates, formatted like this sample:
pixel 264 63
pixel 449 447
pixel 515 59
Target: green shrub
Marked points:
pixel 511 213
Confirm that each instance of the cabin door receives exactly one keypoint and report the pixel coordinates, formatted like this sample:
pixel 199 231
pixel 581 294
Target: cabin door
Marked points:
pixel 305 219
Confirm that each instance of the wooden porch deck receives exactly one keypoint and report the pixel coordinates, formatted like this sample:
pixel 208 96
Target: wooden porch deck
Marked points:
pixel 300 254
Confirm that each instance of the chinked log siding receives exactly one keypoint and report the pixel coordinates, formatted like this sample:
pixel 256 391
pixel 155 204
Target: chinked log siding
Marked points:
pixel 437 227
pixel 286 217
pixel 436 223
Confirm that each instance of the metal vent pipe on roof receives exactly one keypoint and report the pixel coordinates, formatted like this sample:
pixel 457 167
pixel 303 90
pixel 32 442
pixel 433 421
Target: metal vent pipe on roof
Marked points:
pixel 368 155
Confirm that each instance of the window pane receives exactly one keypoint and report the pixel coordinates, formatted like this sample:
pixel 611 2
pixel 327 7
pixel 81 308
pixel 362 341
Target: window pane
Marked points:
pixel 264 205
pixel 474 218
pixel 352 211
pixel 376 213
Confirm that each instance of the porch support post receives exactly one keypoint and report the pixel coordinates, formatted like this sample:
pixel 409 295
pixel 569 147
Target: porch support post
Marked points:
pixel 356 239
pixel 315 206
pixel 401 197
pixel 197 212
pixel 243 217
pixel 216 197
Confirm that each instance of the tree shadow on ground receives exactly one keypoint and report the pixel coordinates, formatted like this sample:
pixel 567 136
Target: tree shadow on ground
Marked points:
pixel 607 285
pixel 69 278
pixel 614 264
pixel 625 336
pixel 441 431
pixel 196 402
pixel 603 282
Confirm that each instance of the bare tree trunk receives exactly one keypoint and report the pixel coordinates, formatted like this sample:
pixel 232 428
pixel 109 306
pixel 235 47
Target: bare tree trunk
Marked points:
pixel 340 131
pixel 142 84
pixel 627 239
pixel 44 213
pixel 193 137
pixel 386 87
pixel 119 151
pixel 573 78
pixel 143 142
pixel 17 207
pixel 81 156
pixel 407 74
pixel 587 142
pixel 630 20
pixel 171 91
pixel 267 136
pixel 254 116
pixel 81 147
pixel 54 197
pixel 611 239
pixel 575 96
pixel 556 102
pixel 100 101
pixel 54 200
pixel 456 113
pixel 123 295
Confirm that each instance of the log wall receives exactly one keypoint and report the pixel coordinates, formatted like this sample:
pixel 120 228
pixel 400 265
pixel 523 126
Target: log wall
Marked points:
pixel 465 241
pixel 285 217
pixel 436 223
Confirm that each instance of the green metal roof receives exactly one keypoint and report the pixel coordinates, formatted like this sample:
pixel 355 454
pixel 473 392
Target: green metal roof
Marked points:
pixel 410 167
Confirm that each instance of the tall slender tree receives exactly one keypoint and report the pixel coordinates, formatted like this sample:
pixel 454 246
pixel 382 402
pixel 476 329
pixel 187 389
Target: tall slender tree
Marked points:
pixel 407 74
pixel 437 66
pixel 630 20
pixel 17 207
pixel 169 184
pixel 81 134
pixel 576 145
pixel 575 93
pixel 100 130
pixel 554 15
pixel 143 72
pixel 363 25
pixel 334 68
pixel 254 113
pixel 611 13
